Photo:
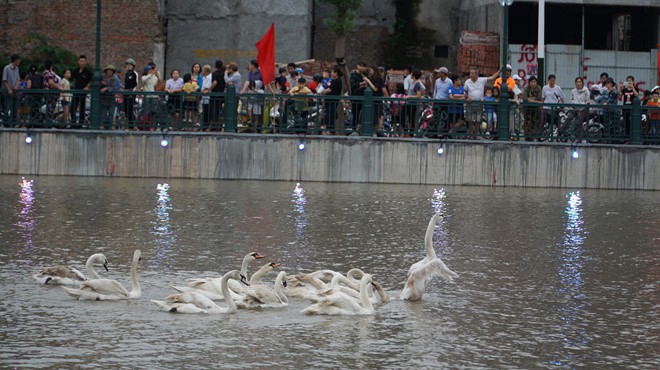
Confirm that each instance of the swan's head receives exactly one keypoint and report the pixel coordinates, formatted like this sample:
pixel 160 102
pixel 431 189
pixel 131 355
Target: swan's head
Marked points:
pixel 274 265
pixel 100 258
pixel 437 218
pixel 367 278
pixel 256 255
pixel 137 255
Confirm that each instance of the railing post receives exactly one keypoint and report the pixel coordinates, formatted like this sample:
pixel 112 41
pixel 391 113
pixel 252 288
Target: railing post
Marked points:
pixel 230 109
pixel 503 116
pixel 368 113
pixel 636 122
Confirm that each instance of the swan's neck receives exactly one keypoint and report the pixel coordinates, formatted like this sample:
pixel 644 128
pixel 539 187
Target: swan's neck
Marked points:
pixel 244 265
pixel 231 305
pixel 90 269
pixel 379 289
pixel 136 291
pixel 342 279
pixel 428 240
pixel 364 295
pixel 279 289
pixel 355 275
pixel 257 276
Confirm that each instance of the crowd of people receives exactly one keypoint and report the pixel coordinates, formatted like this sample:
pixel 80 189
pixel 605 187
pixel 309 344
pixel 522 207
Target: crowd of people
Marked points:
pixel 195 97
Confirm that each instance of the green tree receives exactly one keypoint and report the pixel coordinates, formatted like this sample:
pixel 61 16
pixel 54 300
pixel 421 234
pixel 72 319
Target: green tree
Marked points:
pixel 340 23
pixel 41 49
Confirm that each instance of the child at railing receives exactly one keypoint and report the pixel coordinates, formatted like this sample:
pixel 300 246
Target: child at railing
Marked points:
pixel 492 95
pixel 189 100
pixel 256 104
pixel 65 97
pixel 654 113
pixel 23 105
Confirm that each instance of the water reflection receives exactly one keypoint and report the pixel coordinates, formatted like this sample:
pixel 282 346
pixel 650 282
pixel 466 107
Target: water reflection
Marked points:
pixel 164 236
pixel 301 222
pixel 27 221
pixel 571 279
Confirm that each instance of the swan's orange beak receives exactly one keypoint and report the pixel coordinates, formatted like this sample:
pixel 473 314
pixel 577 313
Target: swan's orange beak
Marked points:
pixel 275 265
pixel 259 255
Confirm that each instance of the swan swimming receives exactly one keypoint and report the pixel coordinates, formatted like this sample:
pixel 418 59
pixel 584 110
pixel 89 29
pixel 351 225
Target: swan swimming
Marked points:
pixel 193 302
pixel 214 285
pixel 69 275
pixel 236 296
pixel 421 272
pixel 351 289
pixel 107 289
pixel 340 303
pixel 261 296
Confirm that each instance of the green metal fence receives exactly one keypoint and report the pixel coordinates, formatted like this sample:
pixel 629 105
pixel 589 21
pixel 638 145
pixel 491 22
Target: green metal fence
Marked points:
pixel 366 115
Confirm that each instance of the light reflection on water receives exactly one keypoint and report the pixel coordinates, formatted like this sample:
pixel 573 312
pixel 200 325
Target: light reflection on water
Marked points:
pixel 547 278
pixel 27 221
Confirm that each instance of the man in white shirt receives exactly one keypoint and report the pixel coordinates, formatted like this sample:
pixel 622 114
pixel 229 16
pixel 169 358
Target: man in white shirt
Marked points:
pixel 551 94
pixel 407 80
pixel 475 87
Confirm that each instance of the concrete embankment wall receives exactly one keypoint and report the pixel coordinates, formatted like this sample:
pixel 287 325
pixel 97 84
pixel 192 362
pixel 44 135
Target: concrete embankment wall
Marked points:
pixel 328 158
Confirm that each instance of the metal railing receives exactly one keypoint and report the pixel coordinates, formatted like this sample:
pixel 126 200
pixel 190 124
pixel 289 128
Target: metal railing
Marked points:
pixel 366 115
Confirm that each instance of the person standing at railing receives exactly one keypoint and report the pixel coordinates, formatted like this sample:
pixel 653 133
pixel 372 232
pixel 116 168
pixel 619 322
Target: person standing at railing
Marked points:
pixel 217 86
pixel 301 105
pixel 189 100
pixel 196 73
pixel 580 95
pixel 531 94
pixel 441 90
pixel 474 88
pixel 551 94
pixel 206 101
pixel 253 75
pixel 150 78
pixel 654 112
pixel 334 89
pixel 609 97
pixel 377 84
pixel 10 78
pixel 23 103
pixel 109 85
pixel 82 81
pixel 51 82
pixel 65 97
pixel 130 84
pixel 174 87
pixel 417 90
pixel 457 92
pixel 628 93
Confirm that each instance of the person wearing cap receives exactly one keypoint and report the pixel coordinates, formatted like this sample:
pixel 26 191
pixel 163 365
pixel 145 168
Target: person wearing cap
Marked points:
pixel 654 113
pixel 510 83
pixel 82 80
pixel 517 90
pixel 130 84
pixel 442 84
pixel 109 85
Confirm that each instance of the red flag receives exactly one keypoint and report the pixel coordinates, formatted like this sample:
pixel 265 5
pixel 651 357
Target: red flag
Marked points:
pixel 266 55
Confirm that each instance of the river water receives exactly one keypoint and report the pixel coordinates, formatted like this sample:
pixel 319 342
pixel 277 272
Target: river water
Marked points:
pixel 548 278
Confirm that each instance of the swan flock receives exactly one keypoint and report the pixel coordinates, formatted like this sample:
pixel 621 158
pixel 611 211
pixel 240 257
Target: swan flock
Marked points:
pixel 328 291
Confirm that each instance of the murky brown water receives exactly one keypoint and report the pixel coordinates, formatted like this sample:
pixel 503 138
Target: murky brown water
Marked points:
pixel 548 277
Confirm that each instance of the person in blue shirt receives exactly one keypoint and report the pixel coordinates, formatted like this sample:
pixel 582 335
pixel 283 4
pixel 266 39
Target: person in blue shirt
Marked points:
pixel 456 92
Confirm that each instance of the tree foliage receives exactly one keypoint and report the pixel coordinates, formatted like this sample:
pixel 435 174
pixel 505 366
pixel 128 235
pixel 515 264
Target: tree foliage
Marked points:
pixel 346 12
pixel 41 50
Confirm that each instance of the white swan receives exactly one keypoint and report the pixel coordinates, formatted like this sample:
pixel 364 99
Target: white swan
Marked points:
pixel 351 289
pixel 261 296
pixel 107 289
pixel 236 294
pixel 69 275
pixel 213 285
pixel 302 285
pixel 340 303
pixel 193 302
pixel 421 272
pixel 327 275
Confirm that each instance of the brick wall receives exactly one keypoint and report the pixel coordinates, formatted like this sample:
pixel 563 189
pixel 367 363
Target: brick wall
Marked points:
pixel 128 28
